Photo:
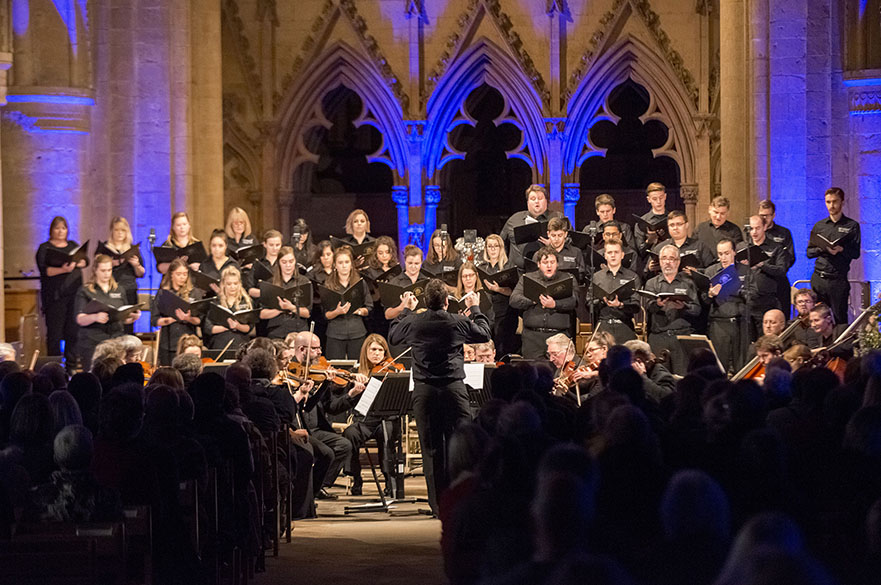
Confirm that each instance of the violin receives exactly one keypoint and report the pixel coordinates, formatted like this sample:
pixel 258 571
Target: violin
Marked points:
pixel 387 365
pixel 568 371
pixel 319 371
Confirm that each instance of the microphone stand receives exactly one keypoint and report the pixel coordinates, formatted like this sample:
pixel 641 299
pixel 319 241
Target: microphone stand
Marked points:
pixel 747 300
pixel 588 295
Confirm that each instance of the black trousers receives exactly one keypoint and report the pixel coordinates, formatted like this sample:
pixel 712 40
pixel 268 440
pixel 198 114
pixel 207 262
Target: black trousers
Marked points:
pixel 361 431
pixel 534 346
pixel 303 498
pixel 61 325
pixel 334 448
pixel 505 332
pixel 834 292
pixel 726 337
pixel 439 408
pixel 340 349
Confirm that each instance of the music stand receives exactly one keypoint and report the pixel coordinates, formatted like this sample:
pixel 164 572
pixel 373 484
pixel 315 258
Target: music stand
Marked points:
pixel 690 343
pixel 392 400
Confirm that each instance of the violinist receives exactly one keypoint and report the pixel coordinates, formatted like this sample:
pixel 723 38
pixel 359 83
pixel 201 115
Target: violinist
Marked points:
pixel 485 353
pixel 174 327
pixel 468 353
pixel 189 344
pixel 656 378
pixel 823 324
pixel 217 260
pixel 58 288
pixel 804 300
pixel 238 230
pixel 328 399
pixel 568 372
pixel 179 236
pixel 616 314
pixel 289 317
pixel 374 360
pixel 726 315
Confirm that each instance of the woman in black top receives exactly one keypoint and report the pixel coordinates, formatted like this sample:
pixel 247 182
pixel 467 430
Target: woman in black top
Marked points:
pixel 58 287
pixel 233 297
pixel 358 228
pixel 304 248
pixel 179 236
pixel 504 317
pixel 346 331
pixel 217 259
pixel 125 272
pixel 271 245
pixel 442 256
pixel 98 326
pixel 238 229
pixel 383 259
pixel 173 327
pixel 290 317
pixel 322 266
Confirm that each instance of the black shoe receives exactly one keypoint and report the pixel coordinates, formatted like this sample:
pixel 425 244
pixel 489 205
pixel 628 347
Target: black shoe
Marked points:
pixel 324 495
pixel 387 492
pixel 357 490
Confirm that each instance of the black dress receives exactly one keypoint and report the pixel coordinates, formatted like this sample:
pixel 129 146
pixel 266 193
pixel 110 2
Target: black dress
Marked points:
pixel 286 322
pixel 57 295
pixel 91 335
pixel 219 340
pixel 169 334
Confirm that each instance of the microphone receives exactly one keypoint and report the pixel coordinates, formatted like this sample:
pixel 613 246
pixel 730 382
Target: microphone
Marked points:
pixel 152 237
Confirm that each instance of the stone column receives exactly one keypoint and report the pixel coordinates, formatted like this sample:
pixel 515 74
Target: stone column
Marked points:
pixel 571 195
pixel 284 199
pixel 689 194
pixel 735 110
pixel 432 198
pixel 401 198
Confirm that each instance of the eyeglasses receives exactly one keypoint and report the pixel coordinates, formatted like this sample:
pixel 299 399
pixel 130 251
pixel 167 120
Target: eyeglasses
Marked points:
pixel 552 354
pixel 677 224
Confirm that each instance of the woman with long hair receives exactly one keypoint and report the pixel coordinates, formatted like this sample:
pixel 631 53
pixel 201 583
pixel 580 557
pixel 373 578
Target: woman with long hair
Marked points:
pixel 494 261
pixel 468 281
pixel 99 326
pixel 345 327
pixel 232 296
pixel 383 259
pixel 304 247
pixel 58 289
pixel 173 327
pixel 218 258
pixel 318 272
pixel 179 236
pixel 289 317
pixel 272 241
pixel 125 272
pixel 238 229
pixel 442 256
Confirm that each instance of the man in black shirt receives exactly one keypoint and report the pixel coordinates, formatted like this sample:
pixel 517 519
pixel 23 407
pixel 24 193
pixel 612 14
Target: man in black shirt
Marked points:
pixel 670 318
pixel 841 246
pixel 677 225
pixel 536 211
pixel 804 301
pixel 823 324
pixel 616 313
pixel 718 228
pixel 440 400
pixel 568 256
pixel 605 208
pixel 782 237
pixel 550 316
pixel 726 315
pixel 764 274
pixel 656 195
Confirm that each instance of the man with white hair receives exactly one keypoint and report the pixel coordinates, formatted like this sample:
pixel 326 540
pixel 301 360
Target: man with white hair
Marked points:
pixel 7 352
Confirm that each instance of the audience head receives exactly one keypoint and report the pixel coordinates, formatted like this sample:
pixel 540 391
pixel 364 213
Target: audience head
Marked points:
pixel 261 363
pixel 695 507
pixel 32 422
pixel 65 410
pixel 129 373
pixel 73 448
pixel 207 391
pixel 167 376
pixel 120 415
pixel 863 432
pixel 189 367
pixel 56 374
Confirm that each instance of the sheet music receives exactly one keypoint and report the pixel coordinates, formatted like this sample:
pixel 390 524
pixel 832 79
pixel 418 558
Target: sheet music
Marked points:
pixel 474 375
pixel 368 396
pixel 529 219
pixel 410 384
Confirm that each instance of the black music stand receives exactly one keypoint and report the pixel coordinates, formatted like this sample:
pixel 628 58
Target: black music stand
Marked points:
pixel 391 401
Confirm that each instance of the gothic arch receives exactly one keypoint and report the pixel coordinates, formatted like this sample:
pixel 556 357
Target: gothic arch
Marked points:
pixel 630 58
pixel 485 62
pixel 301 109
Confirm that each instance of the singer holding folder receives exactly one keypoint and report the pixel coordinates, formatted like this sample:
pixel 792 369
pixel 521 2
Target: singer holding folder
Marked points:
pixel 99 326
pixel 345 321
pixel 128 264
pixel 281 313
pixel 177 322
pixel 617 304
pixel 536 212
pixel 726 310
pixel 59 282
pixel 179 236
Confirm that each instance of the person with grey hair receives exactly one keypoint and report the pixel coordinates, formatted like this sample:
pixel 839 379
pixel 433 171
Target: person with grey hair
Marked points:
pixel 189 367
pixel 7 352
pixel 72 493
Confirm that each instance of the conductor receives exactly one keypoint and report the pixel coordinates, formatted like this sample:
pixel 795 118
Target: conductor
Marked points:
pixel 440 400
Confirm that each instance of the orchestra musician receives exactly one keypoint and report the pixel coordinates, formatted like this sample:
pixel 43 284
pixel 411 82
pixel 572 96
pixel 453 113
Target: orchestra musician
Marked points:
pixel 440 399
pixel 768 347
pixel 217 260
pixel 804 300
pixel 289 317
pixel 173 327
pixel 605 207
pixel 670 318
pixel 58 290
pixel 656 195
pixel 232 296
pixel 829 280
pixel 374 354
pixel 726 315
pixel 765 274
pixel 504 318
pixel 656 378
pixel 189 343
pixel 99 326
pixel 238 230
pixel 536 211
pixel 179 236
pixel 548 317
pixel 615 314
pixel 823 324
pixel 560 351
pixel 783 238
pixel 718 228
pixel 773 322
pixel 469 354
pixel 345 331
pixel 125 272
pixel 485 353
